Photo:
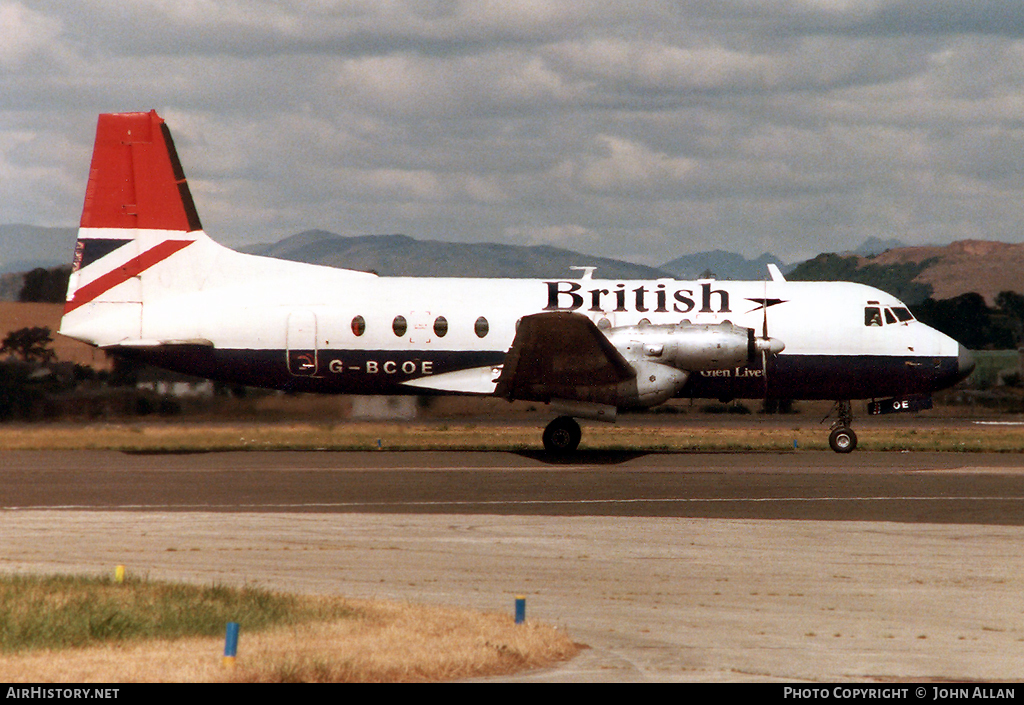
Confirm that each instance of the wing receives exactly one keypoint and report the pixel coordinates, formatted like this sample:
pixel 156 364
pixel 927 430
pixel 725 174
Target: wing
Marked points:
pixel 561 355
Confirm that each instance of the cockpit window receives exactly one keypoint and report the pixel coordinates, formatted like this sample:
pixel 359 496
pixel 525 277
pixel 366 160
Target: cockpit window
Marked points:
pixel 903 314
pixel 872 316
pixel 889 317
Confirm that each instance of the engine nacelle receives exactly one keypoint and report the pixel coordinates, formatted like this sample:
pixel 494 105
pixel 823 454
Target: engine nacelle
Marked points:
pixel 655 384
pixel 692 347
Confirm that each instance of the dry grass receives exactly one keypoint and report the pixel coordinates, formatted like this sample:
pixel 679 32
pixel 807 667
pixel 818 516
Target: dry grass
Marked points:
pixel 355 435
pixel 262 436
pixel 384 642
pixel 401 642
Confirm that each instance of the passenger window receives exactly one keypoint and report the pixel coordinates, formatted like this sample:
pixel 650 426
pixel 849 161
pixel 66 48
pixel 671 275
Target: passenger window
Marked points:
pixel 481 327
pixel 604 324
pixel 358 326
pixel 872 316
pixel 889 318
pixel 399 325
pixel 440 326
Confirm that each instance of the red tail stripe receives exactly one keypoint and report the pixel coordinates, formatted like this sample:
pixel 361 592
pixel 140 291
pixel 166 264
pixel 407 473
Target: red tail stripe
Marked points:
pixel 126 271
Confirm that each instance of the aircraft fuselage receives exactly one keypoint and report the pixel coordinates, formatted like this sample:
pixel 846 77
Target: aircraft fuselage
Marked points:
pixel 375 335
pixel 147 282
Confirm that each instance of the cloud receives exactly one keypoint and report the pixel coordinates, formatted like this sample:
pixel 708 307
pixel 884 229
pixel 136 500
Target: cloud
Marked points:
pixel 640 130
pixel 24 34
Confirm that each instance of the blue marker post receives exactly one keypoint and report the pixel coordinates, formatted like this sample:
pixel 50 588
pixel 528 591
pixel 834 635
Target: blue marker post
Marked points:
pixel 230 645
pixel 520 609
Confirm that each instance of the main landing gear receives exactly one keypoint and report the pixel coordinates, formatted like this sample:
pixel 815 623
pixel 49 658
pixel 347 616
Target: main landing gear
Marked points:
pixel 842 439
pixel 562 435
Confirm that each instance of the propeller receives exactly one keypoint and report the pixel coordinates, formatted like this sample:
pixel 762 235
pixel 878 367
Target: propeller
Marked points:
pixel 765 344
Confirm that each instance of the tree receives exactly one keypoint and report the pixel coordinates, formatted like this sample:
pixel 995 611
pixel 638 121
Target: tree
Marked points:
pixel 29 345
pixel 45 285
pixel 1011 306
pixel 896 279
pixel 968 320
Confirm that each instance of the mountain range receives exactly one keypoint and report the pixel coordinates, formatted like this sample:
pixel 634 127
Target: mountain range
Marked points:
pixel 24 247
pixel 912 273
pixel 401 255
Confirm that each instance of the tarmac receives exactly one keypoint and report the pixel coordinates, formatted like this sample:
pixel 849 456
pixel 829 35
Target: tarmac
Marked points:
pixel 800 566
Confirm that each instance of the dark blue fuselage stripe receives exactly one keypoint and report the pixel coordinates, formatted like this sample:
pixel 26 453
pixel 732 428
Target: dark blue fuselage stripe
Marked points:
pixel 385 371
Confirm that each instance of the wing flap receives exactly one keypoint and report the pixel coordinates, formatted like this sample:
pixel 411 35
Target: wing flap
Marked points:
pixel 561 355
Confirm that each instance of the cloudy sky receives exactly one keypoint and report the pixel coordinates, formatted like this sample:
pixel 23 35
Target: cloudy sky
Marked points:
pixel 642 130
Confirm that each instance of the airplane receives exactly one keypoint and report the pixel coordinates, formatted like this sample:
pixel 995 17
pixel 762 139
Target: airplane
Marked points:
pixel 149 284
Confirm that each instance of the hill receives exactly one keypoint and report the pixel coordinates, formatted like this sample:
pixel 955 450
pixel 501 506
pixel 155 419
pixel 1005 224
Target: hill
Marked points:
pixel 917 273
pixel 968 265
pixel 912 273
pixel 723 265
pixel 874 246
pixel 401 255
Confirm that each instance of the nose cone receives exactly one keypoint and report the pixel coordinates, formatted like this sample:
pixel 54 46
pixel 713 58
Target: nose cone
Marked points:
pixel 965 363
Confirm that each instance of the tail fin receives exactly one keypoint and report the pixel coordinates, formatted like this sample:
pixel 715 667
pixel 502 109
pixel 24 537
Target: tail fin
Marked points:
pixel 136 180
pixel 138 213
pixel 138 209
pixel 140 245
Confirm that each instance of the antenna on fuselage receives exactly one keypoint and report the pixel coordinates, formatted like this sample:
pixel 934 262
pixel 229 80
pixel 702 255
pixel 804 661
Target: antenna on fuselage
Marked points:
pixel 588 272
pixel 775 273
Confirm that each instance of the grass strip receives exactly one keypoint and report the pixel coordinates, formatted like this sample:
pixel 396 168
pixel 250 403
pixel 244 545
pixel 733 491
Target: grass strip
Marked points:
pixel 69 611
pixel 89 629
pixel 364 436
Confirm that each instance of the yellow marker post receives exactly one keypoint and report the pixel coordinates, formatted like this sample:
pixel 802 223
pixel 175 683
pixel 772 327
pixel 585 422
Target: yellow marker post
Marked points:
pixel 119 574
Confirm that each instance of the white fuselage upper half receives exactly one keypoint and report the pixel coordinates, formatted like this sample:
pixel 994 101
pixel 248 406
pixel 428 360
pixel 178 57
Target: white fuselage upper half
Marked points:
pixel 197 306
pixel 236 301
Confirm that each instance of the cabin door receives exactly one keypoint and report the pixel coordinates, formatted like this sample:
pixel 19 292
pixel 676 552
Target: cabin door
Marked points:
pixel 301 344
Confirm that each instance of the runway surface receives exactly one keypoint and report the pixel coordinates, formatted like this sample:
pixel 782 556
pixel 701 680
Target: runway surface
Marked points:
pixel 916 487
pixel 802 565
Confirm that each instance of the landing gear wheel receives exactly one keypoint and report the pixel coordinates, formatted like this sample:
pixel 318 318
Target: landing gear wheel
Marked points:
pixel 562 435
pixel 843 440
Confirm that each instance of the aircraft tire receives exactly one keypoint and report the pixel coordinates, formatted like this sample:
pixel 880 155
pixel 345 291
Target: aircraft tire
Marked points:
pixel 562 435
pixel 843 440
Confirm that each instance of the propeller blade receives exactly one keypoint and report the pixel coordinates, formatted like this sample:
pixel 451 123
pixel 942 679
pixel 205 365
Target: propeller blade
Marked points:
pixel 764 327
pixel 764 352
